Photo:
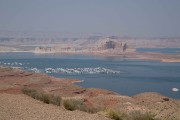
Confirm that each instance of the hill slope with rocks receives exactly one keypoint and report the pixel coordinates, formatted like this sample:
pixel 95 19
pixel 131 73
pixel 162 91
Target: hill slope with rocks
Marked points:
pixel 15 105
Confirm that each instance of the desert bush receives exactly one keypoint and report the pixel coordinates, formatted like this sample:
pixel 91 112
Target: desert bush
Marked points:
pixel 56 100
pixel 32 92
pixel 46 98
pixel 73 104
pixel 114 114
pixel 29 91
pixel 137 115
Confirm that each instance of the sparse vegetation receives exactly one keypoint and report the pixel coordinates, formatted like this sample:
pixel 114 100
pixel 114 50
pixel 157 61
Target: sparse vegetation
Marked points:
pixel 46 98
pixel 55 100
pixel 114 114
pixel 137 115
pixel 73 104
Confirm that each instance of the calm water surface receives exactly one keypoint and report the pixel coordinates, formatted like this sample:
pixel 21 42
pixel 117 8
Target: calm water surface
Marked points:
pixel 160 50
pixel 127 77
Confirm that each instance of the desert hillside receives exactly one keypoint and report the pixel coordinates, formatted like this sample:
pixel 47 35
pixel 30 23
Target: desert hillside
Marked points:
pixel 16 105
pixel 22 107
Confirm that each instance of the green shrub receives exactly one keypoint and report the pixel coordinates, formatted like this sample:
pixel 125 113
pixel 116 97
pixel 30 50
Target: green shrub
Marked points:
pixel 114 114
pixel 46 98
pixel 55 100
pixel 72 104
pixel 29 91
pixel 137 115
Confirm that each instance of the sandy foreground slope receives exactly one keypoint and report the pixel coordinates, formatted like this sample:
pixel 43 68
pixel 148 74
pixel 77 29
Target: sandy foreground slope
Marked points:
pixel 22 107
pixel 16 106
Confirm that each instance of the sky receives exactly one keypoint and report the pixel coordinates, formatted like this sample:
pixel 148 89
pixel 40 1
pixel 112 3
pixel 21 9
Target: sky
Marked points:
pixel 139 18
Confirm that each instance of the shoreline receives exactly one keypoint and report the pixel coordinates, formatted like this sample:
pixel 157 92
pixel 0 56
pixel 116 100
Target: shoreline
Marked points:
pixel 13 80
pixel 69 81
pixel 128 55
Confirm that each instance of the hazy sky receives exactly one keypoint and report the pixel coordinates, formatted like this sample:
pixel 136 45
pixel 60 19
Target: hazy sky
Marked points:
pixel 112 17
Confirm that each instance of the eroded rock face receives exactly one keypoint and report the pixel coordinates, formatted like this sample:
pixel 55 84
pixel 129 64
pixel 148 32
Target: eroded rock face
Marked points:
pixel 111 44
pixel 124 47
pixel 104 45
pixel 44 50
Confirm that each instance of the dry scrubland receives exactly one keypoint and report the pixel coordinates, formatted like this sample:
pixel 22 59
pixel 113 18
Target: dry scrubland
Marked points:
pixel 32 96
pixel 22 107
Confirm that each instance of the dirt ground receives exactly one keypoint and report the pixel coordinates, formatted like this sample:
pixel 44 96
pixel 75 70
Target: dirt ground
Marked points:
pixel 15 105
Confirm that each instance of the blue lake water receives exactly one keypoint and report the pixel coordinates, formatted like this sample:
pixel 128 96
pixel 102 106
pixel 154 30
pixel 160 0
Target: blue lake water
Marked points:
pixel 160 50
pixel 127 77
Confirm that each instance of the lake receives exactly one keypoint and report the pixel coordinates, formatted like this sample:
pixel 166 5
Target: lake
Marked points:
pixel 122 75
pixel 160 50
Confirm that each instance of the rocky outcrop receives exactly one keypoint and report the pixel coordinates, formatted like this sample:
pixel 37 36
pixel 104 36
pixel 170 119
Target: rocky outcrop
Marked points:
pixel 44 50
pixel 111 45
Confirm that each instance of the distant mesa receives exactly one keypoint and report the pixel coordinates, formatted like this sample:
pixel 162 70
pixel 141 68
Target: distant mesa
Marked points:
pixel 44 50
pixel 88 44
pixel 175 89
pixel 109 44
pixel 104 45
